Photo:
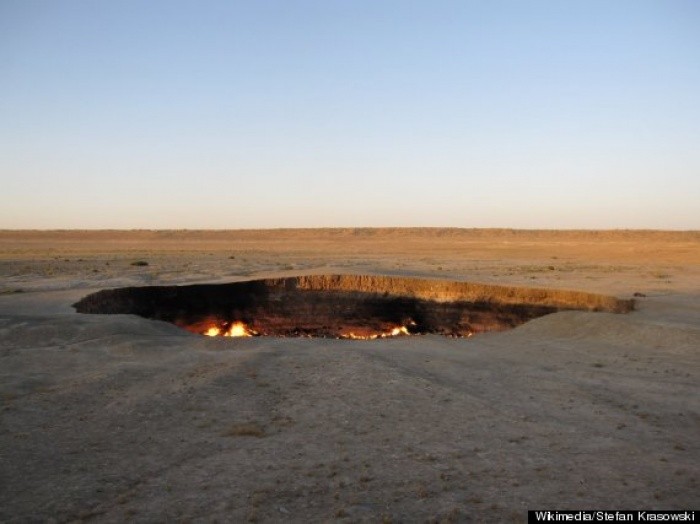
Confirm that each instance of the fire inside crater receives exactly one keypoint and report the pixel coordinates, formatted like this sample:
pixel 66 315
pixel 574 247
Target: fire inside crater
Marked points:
pixel 230 329
pixel 364 307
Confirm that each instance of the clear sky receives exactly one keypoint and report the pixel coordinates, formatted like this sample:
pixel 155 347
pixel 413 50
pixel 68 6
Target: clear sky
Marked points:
pixel 232 114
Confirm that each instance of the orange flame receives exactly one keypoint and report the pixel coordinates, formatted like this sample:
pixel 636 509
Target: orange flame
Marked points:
pixel 394 332
pixel 239 329
pixel 212 331
pixel 402 330
pixel 235 329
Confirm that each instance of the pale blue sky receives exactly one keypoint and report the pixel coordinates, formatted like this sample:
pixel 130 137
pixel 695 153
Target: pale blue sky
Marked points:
pixel 523 114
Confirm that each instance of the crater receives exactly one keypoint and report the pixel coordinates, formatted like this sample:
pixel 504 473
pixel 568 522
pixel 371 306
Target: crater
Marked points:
pixel 344 306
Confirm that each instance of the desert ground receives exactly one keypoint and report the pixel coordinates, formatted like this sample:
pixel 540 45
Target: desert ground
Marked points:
pixel 113 418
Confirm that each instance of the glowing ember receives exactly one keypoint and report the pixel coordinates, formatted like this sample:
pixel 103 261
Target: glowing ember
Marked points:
pixel 353 336
pixel 236 329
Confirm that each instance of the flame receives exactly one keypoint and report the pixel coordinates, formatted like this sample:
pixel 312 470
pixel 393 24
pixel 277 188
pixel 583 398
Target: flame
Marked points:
pixel 235 329
pixel 239 329
pixel 212 331
pixel 402 330
pixel 394 332
pixel 353 336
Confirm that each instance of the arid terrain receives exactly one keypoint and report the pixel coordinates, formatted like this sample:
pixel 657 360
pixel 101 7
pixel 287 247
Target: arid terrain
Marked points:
pixel 112 418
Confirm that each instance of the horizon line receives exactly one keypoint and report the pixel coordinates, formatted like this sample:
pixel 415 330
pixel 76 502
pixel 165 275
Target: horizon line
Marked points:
pixel 330 228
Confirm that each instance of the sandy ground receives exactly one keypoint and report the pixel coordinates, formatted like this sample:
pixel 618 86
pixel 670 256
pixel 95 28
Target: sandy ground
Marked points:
pixel 116 418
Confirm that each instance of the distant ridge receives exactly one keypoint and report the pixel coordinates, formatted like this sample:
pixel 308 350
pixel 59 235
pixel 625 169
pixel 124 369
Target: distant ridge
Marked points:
pixel 356 233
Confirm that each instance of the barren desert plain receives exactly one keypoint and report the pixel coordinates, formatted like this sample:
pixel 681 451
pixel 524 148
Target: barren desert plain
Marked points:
pixel 114 418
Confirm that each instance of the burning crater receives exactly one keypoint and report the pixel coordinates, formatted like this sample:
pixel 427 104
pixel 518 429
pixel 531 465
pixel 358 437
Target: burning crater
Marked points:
pixel 343 306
